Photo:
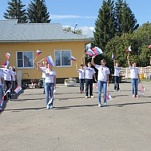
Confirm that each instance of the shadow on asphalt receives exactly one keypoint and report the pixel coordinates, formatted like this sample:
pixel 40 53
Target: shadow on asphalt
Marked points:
pixel 127 104
pixel 29 99
pixel 25 109
pixel 14 97
pixel 77 106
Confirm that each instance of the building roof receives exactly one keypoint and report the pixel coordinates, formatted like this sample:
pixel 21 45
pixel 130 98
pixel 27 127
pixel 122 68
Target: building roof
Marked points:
pixel 11 31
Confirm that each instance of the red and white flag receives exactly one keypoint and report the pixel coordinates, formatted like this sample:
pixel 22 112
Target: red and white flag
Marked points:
pixel 90 52
pixel 129 49
pixel 142 90
pixel 149 47
pixel 73 58
pixel 38 52
pixel 108 96
pixel 18 89
pixel 6 63
pixel 7 56
pixel 97 50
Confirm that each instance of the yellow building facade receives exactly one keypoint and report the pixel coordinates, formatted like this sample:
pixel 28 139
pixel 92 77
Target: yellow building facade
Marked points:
pixel 23 49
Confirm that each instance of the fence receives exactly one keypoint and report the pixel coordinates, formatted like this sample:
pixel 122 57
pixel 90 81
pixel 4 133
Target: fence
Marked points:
pixel 144 72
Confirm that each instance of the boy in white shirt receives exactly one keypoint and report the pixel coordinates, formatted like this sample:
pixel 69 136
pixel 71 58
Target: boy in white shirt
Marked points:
pixel 116 76
pixel 89 75
pixel 81 72
pixel 103 79
pixel 8 80
pixel 134 71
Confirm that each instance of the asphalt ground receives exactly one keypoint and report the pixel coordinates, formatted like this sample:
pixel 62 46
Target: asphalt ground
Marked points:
pixel 76 123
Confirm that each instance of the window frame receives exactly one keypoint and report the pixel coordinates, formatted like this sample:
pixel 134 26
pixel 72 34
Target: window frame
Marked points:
pixel 62 66
pixel 23 60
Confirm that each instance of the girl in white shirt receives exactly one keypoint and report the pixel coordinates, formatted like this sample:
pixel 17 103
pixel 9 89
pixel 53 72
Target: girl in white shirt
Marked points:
pixel 134 71
pixel 50 85
pixel 103 79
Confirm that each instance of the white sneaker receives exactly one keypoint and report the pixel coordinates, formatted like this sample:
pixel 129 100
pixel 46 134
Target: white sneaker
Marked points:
pixel 48 107
pixel 105 104
pixel 86 97
pixel 51 107
pixel 92 96
pixel 99 105
pixel 50 101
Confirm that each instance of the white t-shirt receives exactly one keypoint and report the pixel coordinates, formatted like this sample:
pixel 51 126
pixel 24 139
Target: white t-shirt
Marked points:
pixel 102 72
pixel 1 76
pixel 49 76
pixel 7 74
pixel 89 72
pixel 43 72
pixel 117 71
pixel 134 72
pixel 13 75
pixel 81 73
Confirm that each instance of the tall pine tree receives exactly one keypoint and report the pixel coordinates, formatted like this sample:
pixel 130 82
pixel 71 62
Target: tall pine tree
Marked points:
pixel 37 12
pixel 16 11
pixel 105 24
pixel 125 19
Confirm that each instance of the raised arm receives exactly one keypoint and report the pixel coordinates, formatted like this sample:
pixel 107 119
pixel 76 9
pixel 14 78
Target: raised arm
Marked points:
pixel 38 64
pixel 114 62
pixel 128 60
pixel 83 60
pixel 92 61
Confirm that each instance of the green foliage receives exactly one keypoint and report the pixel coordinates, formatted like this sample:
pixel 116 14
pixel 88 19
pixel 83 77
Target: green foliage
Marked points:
pixel 125 19
pixel 139 41
pixel 69 29
pixel 16 11
pixel 105 24
pixel 37 12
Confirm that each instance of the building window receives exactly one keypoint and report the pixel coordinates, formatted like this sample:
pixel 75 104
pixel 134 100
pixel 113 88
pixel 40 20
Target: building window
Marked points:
pixel 62 58
pixel 25 59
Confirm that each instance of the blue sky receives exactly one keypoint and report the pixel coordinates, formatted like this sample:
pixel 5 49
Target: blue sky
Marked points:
pixel 84 12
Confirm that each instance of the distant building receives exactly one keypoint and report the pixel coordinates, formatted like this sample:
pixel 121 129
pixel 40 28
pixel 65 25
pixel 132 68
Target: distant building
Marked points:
pixel 22 41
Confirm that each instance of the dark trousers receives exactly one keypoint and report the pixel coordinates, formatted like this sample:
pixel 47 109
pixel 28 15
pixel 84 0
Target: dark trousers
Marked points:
pixel 81 81
pixel 8 85
pixel 116 83
pixel 14 85
pixel 89 84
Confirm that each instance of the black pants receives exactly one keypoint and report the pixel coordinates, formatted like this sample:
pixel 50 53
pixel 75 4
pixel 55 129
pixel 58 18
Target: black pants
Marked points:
pixel 89 84
pixel 8 85
pixel 116 83
pixel 81 84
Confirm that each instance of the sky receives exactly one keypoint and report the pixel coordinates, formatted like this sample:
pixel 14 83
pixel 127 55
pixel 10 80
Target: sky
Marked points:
pixel 84 12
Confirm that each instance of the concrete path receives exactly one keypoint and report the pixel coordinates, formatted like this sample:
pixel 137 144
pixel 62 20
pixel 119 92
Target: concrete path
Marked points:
pixel 76 123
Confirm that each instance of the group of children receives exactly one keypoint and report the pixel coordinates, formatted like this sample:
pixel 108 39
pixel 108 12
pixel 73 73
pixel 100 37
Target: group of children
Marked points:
pixel 8 82
pixel 87 75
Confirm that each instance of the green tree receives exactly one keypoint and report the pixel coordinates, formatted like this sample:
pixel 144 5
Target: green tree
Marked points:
pixel 105 24
pixel 125 19
pixel 37 12
pixel 69 29
pixel 16 11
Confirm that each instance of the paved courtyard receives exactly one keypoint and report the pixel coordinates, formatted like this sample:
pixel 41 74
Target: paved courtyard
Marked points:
pixel 76 123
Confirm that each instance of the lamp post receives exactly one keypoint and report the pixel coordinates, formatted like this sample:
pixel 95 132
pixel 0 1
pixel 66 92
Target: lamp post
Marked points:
pixel 75 28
